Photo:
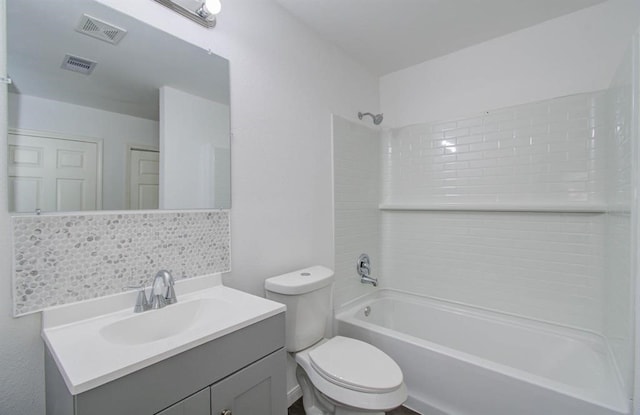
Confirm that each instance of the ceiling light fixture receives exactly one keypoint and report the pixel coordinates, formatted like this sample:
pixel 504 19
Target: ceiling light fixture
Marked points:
pixel 209 8
pixel 202 12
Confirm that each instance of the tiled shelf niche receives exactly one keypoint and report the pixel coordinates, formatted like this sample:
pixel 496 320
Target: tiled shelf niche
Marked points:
pixel 504 207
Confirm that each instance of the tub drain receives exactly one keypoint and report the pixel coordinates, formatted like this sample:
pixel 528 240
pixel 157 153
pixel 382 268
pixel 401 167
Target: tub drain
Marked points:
pixel 367 311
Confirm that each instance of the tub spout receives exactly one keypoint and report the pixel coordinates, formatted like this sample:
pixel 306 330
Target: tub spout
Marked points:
pixel 366 279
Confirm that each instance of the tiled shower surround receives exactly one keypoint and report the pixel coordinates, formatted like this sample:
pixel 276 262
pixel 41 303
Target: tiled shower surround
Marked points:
pixel 548 155
pixel 544 152
pixel 60 259
pixel 542 265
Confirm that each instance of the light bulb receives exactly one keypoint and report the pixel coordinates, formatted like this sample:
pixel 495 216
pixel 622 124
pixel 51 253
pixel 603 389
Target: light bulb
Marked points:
pixel 213 6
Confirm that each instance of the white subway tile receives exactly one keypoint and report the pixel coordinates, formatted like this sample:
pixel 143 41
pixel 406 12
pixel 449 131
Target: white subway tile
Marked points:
pixel 445 253
pixel 469 122
pixel 477 138
pixel 489 145
pixel 444 126
pixel 459 132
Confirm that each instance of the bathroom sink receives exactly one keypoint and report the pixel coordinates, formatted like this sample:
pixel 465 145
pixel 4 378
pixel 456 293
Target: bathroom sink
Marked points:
pixel 101 340
pixel 153 325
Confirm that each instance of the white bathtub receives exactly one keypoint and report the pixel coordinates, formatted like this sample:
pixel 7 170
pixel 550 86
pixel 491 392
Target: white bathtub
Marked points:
pixel 460 360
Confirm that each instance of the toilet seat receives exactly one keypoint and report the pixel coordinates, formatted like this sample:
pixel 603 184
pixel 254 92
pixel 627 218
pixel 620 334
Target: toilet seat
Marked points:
pixel 356 365
pixel 346 387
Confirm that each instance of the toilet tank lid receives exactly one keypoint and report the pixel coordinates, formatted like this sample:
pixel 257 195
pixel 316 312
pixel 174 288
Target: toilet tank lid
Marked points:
pixel 301 281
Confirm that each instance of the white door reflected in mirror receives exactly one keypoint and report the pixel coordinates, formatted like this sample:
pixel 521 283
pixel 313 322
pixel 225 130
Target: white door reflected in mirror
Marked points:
pixel 144 178
pixel 53 173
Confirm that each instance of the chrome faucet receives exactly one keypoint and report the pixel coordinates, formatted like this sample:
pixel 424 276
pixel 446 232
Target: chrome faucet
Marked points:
pixel 162 291
pixel 363 267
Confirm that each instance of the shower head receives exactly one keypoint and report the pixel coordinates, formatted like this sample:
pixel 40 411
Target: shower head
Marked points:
pixel 377 118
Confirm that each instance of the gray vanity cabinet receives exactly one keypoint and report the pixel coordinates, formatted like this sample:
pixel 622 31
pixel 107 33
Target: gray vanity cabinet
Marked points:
pixel 254 390
pixel 243 371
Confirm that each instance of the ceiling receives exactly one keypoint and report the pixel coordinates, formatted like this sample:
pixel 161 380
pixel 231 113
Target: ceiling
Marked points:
pixel 388 35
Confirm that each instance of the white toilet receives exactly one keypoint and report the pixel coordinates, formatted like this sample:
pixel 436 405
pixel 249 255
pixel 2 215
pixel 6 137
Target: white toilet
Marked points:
pixel 340 375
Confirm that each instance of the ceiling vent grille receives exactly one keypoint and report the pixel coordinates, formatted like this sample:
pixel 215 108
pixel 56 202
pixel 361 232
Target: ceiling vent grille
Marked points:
pixel 76 64
pixel 100 29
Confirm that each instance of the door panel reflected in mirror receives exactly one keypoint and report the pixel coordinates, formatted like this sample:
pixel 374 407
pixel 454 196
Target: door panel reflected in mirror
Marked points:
pixel 147 128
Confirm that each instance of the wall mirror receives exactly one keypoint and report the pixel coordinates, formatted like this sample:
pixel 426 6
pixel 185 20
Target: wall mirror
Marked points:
pixel 109 113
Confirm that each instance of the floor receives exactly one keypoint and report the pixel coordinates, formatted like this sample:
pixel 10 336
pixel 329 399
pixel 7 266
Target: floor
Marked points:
pixel 297 409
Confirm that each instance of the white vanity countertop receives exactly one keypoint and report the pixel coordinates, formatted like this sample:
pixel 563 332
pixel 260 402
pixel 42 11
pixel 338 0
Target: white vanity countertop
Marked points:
pixel 88 357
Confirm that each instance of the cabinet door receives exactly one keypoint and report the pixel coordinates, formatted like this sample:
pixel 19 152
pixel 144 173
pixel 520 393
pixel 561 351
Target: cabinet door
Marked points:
pixel 196 404
pixel 258 389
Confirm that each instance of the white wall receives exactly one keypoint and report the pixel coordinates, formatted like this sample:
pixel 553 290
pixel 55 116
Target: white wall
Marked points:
pixel 285 83
pixel 188 142
pixel 116 131
pixel 22 371
pixel 635 224
pixel 574 53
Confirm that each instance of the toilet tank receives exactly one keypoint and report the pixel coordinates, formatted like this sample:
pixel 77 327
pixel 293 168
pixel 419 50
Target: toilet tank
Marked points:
pixel 307 295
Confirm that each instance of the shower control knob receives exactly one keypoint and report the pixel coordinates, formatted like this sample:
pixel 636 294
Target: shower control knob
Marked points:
pixel 226 412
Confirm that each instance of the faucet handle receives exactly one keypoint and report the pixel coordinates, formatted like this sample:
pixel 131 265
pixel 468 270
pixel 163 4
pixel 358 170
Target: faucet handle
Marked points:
pixel 170 293
pixel 141 301
pixel 162 291
pixel 158 293
pixel 363 266
pixel 171 298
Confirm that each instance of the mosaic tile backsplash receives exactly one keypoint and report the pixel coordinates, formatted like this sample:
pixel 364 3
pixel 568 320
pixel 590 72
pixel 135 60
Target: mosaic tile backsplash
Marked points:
pixel 64 259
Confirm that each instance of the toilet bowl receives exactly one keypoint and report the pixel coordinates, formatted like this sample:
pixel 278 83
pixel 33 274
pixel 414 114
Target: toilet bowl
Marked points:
pixel 352 374
pixel 338 375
